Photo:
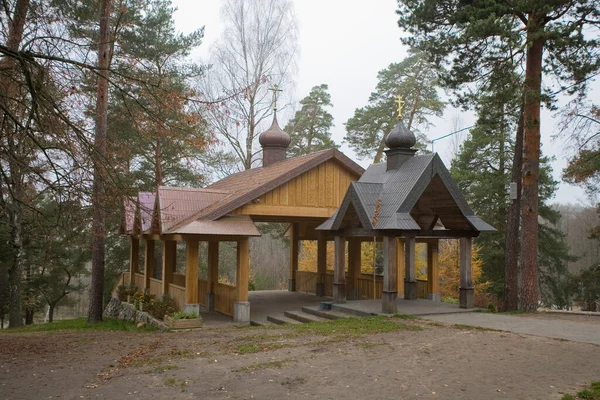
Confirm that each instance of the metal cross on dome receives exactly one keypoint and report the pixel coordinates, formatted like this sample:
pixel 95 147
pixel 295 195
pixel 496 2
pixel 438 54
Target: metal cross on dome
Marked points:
pixel 400 103
pixel 275 89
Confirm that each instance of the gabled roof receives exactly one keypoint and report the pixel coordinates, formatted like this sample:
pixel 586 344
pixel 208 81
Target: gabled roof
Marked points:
pixel 246 186
pixel 392 196
pixel 146 201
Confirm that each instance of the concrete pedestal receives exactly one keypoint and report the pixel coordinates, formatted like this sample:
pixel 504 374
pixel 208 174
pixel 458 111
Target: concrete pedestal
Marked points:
pixel 434 296
pixel 410 290
pixel 466 298
pixel 339 292
pixel 191 308
pixel 320 289
pixel 210 302
pixel 291 285
pixel 241 311
pixel 388 302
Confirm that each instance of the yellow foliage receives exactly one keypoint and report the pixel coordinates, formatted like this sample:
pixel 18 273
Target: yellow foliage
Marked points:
pixel 449 260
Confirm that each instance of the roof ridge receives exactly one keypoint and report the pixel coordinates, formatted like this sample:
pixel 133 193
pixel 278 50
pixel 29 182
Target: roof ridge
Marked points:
pixel 199 190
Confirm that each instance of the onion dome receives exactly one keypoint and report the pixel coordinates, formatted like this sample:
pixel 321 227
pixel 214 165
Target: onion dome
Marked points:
pixel 400 137
pixel 274 136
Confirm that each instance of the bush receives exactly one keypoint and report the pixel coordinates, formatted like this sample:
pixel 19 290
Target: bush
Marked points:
pixel 122 292
pixel 131 289
pixel 162 306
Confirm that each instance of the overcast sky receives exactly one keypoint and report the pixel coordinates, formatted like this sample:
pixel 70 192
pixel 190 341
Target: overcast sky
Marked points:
pixel 344 43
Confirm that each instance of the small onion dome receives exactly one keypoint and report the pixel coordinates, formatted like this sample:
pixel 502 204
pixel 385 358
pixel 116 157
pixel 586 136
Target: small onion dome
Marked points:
pixel 400 137
pixel 274 136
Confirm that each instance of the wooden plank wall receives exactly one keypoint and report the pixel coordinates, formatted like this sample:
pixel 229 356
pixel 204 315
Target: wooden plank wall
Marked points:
pixel 202 291
pixel 225 295
pixel 139 281
pixel 155 287
pixel 306 281
pixel 178 295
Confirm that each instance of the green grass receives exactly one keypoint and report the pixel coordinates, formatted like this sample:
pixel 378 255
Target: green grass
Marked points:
pixel 80 324
pixel 591 393
pixel 405 316
pixel 353 326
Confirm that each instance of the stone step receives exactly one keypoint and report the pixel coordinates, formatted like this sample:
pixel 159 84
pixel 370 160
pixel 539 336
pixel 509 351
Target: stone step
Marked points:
pixel 327 314
pixel 303 317
pixel 281 319
pixel 261 323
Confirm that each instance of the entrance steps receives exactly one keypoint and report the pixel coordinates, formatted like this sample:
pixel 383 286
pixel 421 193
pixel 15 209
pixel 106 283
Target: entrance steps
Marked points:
pixel 306 315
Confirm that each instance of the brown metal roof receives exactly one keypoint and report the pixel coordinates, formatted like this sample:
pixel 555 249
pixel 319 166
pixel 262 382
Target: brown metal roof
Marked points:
pixel 247 185
pixel 230 225
pixel 146 201
pixel 177 204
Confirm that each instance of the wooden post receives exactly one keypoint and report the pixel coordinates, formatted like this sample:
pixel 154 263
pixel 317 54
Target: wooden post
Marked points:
pixel 400 260
pixel 390 273
pixel 168 264
pixel 321 263
pixel 293 256
pixel 354 268
pixel 339 270
pixel 191 276
pixel 148 263
pixel 241 308
pixel 213 273
pixel 410 281
pixel 433 271
pixel 134 257
pixel 466 296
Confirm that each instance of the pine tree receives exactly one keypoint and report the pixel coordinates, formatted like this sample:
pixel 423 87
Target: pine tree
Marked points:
pixel 310 129
pixel 473 38
pixel 416 81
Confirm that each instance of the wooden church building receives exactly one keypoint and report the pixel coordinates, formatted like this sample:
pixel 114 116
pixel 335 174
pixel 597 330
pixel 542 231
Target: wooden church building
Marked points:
pixel 324 196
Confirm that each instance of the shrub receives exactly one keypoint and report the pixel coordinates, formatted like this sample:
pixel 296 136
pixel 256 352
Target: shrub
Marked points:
pixel 122 292
pixel 162 306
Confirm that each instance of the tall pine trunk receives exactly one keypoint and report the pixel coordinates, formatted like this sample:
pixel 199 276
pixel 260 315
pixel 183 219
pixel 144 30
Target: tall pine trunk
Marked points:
pixel 99 189
pixel 531 166
pixel 512 245
pixel 9 88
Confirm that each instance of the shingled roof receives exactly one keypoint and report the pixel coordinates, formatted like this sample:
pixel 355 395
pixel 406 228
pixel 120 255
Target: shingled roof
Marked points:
pixel 414 194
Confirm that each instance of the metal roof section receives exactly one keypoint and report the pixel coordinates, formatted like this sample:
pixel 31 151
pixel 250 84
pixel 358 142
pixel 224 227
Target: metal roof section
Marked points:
pixel 146 201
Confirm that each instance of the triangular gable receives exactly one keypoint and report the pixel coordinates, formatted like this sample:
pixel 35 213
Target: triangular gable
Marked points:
pixel 351 202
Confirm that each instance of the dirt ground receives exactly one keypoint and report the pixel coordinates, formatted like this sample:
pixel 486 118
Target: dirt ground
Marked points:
pixel 440 361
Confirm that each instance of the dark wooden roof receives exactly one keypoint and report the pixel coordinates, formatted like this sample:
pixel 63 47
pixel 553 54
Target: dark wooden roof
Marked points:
pixel 415 197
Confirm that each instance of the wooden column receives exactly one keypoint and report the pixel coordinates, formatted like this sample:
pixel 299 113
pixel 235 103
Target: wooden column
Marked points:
pixel 213 273
pixel 466 296
pixel 433 271
pixel 354 268
pixel 390 273
pixel 400 260
pixel 410 280
pixel 293 256
pixel 321 263
pixel 148 263
pixel 339 270
pixel 241 308
pixel 134 257
pixel 168 263
pixel 191 275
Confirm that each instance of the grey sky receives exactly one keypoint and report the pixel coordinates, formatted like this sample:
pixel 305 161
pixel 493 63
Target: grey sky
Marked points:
pixel 344 43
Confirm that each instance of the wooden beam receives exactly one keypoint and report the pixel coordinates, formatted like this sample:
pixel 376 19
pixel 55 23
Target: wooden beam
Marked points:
pixel 191 272
pixel 168 264
pixel 243 269
pixel 466 269
pixel 410 281
pixel 287 211
pixel 354 267
pixel 321 258
pixel 400 260
pixel 148 263
pixel 390 264
pixel 213 265
pixel 339 270
pixel 134 257
pixel 294 249
pixel 433 268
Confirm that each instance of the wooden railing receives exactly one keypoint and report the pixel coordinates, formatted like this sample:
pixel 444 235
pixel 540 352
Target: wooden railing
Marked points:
pixel 123 280
pixel 329 283
pixel 155 287
pixel 224 297
pixel 306 281
pixel 365 287
pixel 178 295
pixel 139 281
pixel 202 291
pixel 179 280
pixel 421 289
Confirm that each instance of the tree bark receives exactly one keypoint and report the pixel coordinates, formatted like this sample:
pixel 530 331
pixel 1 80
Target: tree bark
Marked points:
pixel 51 312
pixel 511 245
pixel 9 89
pixel 98 190
pixel 531 166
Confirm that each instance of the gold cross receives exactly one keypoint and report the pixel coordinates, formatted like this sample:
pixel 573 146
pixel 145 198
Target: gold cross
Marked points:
pixel 275 89
pixel 400 103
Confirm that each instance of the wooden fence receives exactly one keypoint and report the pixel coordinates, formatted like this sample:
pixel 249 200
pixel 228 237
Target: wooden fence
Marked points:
pixel 306 281
pixel 365 287
pixel 202 291
pixel 155 287
pixel 178 295
pixel 179 280
pixel 139 281
pixel 123 280
pixel 225 296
